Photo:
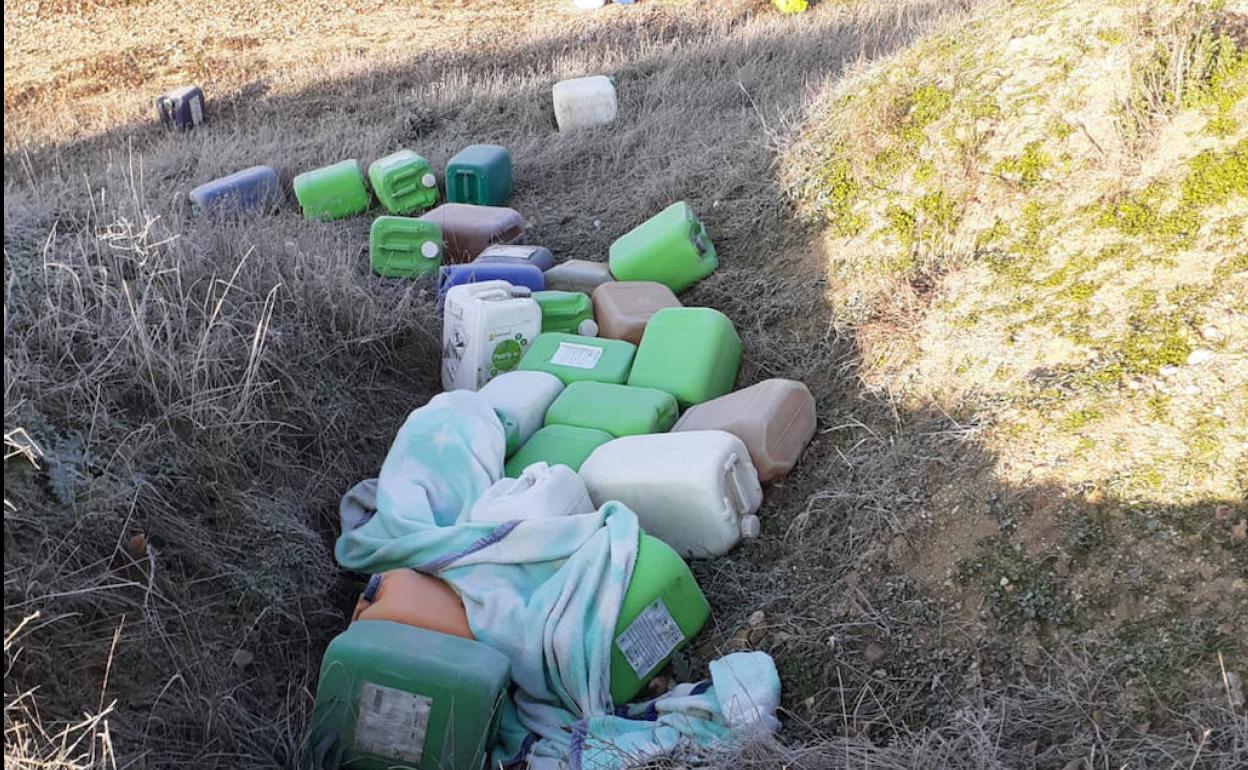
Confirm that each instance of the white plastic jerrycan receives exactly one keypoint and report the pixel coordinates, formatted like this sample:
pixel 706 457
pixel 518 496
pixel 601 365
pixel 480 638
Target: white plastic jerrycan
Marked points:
pixel 542 491
pixel 584 102
pixel 697 491
pixel 521 400
pixel 486 327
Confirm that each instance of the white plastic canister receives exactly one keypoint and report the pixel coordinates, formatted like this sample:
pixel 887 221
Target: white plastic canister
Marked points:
pixel 584 102
pixel 521 399
pixel 696 491
pixel 542 491
pixel 486 328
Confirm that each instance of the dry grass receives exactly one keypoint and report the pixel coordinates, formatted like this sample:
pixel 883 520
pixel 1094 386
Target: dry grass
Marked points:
pixel 184 402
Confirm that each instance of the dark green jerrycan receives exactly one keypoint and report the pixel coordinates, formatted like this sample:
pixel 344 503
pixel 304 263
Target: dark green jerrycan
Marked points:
pixel 479 174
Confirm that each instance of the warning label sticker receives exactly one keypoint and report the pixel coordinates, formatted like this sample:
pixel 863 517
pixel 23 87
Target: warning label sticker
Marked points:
pixel 650 638
pixel 392 723
pixel 576 356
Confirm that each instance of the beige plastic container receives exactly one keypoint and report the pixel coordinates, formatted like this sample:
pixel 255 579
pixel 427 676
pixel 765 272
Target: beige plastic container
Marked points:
pixel 577 275
pixel 775 419
pixel 695 491
pixel 622 308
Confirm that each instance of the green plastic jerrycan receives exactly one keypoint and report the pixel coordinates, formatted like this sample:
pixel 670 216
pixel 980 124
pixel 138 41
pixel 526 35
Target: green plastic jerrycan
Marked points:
pixel 402 247
pixel 403 182
pixel 556 445
pixel 398 696
pixel 332 192
pixel 671 248
pixel 573 358
pixel 570 312
pixel 663 609
pixel 479 174
pixel 691 352
pixel 620 410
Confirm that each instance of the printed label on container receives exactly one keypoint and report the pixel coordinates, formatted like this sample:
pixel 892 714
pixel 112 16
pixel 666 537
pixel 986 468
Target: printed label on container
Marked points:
pixel 650 638
pixel 392 723
pixel 519 252
pixel 576 356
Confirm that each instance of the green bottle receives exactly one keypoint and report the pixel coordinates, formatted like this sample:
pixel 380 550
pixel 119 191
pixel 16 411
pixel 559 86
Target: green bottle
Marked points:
pixel 671 248
pixel 402 247
pixel 403 182
pixel 620 410
pixel 479 174
pixel 570 312
pixel 397 696
pixel 691 352
pixel 572 358
pixel 663 609
pixel 556 445
pixel 332 192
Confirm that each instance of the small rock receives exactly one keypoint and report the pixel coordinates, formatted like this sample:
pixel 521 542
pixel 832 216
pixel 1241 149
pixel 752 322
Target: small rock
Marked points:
pixel 757 618
pixel 1199 356
pixel 809 702
pixel 138 544
pixel 1005 581
pixel 1222 512
pixel 1168 370
pixel 242 659
pixel 873 653
pixel 1240 530
pixel 1211 332
pixel 597 224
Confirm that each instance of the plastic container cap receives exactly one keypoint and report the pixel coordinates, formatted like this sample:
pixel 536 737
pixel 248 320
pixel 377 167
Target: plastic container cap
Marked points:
pixel 429 249
pixel 429 180
pixel 587 328
pixel 750 526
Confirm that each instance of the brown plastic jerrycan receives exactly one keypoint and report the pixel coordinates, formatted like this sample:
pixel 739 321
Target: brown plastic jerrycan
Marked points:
pixel 467 229
pixel 414 599
pixel 775 419
pixel 622 308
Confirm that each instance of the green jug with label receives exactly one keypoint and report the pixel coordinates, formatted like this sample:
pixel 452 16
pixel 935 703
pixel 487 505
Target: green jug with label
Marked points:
pixel 396 696
pixel 663 609
pixel 572 358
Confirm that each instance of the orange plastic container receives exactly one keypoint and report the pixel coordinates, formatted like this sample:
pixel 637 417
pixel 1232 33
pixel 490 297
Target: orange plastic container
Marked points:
pixel 413 599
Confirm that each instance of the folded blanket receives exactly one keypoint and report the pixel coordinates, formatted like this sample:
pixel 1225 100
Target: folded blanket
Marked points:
pixel 546 592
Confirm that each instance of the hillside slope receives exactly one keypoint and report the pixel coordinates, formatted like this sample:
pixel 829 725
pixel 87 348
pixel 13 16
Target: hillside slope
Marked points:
pixel 1037 224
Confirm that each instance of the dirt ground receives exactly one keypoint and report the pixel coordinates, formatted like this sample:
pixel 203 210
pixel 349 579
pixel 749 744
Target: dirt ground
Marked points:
pixel 184 402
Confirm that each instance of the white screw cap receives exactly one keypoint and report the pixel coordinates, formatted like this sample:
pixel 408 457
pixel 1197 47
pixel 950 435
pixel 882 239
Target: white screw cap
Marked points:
pixel 429 180
pixel 429 249
pixel 587 328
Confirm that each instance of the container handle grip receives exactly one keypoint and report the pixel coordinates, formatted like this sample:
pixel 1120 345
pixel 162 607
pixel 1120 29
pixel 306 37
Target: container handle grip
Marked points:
pixel 736 491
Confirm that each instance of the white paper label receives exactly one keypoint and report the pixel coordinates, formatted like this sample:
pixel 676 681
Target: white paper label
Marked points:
pixel 650 638
pixel 576 356
pixel 506 250
pixel 197 111
pixel 392 723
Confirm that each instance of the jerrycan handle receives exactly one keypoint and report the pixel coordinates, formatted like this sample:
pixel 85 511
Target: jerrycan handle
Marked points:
pixel 736 493
pixel 466 181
